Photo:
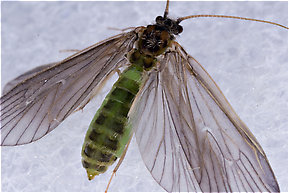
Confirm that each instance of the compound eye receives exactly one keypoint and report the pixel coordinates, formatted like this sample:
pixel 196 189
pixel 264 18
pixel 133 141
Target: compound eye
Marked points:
pixel 159 19
pixel 180 29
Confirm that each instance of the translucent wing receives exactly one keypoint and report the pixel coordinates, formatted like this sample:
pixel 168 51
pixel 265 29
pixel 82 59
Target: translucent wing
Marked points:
pixel 11 84
pixel 38 104
pixel 189 136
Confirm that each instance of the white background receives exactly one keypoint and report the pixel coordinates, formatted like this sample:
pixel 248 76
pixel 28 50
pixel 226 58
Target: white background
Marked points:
pixel 248 60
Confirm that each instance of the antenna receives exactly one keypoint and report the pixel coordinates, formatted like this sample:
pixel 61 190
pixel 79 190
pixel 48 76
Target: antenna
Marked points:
pixel 167 9
pixel 230 17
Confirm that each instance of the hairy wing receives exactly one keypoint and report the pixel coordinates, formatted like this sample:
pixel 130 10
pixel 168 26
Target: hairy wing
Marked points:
pixel 189 136
pixel 38 104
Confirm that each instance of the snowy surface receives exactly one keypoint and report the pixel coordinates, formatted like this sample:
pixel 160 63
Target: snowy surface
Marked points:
pixel 248 60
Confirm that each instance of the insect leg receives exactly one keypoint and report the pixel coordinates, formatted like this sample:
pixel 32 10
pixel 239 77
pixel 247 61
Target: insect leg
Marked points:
pixel 118 163
pixel 121 30
pixel 69 50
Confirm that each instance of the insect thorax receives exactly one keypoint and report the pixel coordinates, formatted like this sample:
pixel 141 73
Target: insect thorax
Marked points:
pixel 153 41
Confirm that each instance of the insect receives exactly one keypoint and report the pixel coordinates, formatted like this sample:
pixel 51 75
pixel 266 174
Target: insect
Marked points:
pixel 196 168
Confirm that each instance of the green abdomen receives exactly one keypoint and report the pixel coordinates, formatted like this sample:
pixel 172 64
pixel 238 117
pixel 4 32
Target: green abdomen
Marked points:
pixel 108 132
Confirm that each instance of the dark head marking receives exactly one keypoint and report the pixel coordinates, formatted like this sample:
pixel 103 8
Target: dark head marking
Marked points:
pixel 172 26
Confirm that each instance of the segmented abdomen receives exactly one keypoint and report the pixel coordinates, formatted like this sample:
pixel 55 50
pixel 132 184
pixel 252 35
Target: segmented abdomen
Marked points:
pixel 108 132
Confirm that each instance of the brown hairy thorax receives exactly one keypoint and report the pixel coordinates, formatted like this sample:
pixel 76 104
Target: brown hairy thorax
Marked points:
pixel 154 40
